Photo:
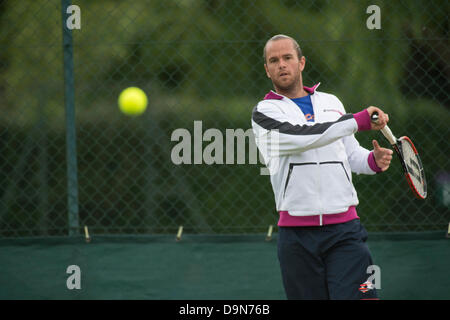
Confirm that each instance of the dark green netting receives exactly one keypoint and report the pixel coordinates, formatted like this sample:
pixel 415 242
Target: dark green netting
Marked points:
pixel 413 266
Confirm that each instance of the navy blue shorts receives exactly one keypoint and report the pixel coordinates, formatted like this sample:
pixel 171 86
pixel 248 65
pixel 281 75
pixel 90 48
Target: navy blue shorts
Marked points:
pixel 326 262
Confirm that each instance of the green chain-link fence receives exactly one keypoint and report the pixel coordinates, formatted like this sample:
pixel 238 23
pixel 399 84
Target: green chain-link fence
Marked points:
pixel 69 158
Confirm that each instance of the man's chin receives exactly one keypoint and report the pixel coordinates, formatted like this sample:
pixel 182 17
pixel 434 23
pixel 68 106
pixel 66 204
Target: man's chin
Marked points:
pixel 284 86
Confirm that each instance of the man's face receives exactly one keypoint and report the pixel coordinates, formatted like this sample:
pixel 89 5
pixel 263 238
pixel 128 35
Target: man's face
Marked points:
pixel 283 65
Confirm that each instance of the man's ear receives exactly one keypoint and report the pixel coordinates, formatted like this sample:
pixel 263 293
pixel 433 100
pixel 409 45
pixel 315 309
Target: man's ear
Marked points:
pixel 267 71
pixel 302 63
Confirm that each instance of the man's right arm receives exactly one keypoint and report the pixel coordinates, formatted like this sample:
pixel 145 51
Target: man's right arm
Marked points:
pixel 287 138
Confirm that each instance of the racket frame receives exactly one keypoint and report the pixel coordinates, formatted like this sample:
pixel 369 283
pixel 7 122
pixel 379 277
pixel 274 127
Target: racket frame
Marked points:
pixel 405 170
pixel 395 143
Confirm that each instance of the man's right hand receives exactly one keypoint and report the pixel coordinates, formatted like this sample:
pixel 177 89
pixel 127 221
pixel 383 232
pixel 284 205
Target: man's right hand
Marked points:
pixel 383 118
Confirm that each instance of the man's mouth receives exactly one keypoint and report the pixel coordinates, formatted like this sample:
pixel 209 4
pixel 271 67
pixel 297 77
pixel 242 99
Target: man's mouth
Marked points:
pixel 282 74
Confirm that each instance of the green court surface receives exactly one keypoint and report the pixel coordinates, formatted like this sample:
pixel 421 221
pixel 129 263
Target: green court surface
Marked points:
pixel 202 267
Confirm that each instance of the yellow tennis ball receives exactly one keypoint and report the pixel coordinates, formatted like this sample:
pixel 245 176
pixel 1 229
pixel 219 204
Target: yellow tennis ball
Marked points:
pixel 133 101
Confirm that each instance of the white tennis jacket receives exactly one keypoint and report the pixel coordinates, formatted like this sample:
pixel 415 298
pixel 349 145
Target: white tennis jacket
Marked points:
pixel 310 163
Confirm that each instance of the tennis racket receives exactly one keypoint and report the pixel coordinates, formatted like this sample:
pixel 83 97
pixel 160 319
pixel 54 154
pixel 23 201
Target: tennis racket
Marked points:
pixel 409 158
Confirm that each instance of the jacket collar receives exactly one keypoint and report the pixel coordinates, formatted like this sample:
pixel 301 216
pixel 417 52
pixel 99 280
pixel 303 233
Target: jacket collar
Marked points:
pixel 272 95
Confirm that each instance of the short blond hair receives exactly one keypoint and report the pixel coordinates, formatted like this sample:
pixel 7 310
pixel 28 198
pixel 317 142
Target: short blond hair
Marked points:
pixel 281 37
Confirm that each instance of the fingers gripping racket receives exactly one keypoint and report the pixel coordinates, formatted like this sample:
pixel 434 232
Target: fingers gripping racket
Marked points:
pixel 409 158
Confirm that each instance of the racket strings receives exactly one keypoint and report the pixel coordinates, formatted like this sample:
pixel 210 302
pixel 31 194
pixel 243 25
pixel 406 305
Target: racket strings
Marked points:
pixel 414 167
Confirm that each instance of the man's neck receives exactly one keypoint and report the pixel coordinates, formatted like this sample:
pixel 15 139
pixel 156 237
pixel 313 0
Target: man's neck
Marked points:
pixel 292 94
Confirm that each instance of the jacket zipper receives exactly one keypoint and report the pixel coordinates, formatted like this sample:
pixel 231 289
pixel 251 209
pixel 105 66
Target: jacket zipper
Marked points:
pixel 319 189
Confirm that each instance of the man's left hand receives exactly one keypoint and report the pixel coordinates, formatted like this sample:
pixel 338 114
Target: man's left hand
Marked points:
pixel 382 156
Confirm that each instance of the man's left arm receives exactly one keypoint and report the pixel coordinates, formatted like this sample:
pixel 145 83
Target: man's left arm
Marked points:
pixel 363 161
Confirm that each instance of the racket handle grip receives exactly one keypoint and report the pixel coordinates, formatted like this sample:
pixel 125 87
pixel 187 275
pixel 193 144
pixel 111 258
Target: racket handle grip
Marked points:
pixel 388 135
pixel 374 117
pixel 386 131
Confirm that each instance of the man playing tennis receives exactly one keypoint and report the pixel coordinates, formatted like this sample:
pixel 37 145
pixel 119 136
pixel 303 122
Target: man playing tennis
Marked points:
pixel 322 246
